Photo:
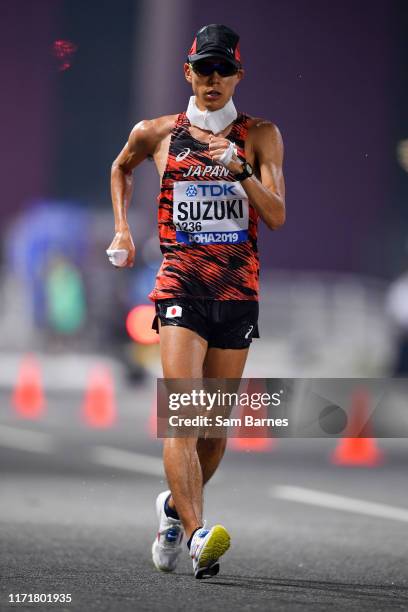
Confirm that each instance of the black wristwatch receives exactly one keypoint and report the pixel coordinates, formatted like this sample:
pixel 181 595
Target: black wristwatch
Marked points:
pixel 247 171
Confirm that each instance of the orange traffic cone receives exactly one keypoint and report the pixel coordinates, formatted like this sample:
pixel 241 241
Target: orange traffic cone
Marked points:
pixel 360 451
pixel 250 440
pixel 99 408
pixel 247 445
pixel 28 396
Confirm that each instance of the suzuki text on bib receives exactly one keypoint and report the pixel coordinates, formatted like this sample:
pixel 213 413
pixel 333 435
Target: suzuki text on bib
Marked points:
pixel 210 212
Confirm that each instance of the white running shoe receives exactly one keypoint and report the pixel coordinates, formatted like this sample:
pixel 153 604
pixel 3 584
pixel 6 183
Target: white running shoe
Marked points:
pixel 166 547
pixel 207 546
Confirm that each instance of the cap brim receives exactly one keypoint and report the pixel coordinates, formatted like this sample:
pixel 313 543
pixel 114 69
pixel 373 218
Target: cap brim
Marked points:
pixel 217 54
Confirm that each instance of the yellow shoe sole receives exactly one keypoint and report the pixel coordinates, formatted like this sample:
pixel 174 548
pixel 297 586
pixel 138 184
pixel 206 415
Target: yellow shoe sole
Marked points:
pixel 217 544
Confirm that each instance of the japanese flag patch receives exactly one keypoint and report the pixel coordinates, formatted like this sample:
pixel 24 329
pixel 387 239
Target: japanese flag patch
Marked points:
pixel 173 311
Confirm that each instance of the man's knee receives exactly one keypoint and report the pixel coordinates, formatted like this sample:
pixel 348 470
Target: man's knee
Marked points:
pixel 212 445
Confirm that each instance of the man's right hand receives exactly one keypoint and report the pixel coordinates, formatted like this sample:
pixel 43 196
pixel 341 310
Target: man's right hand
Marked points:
pixel 123 240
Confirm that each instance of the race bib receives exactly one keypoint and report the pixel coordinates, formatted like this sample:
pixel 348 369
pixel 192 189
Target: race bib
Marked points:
pixel 210 212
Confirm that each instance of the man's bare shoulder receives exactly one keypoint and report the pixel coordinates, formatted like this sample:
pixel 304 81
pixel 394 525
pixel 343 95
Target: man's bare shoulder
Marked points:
pixel 257 125
pixel 265 136
pixel 150 132
pixel 163 125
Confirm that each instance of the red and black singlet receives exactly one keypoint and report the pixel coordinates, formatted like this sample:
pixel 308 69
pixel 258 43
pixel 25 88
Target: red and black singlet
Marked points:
pixel 207 226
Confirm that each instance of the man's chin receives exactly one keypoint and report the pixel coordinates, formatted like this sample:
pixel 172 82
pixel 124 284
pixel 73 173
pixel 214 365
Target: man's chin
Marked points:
pixel 213 105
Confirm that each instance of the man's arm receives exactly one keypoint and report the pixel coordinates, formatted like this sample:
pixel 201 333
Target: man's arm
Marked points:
pixel 143 141
pixel 267 195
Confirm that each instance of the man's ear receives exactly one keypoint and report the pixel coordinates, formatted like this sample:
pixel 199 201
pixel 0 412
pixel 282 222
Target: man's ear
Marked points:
pixel 240 74
pixel 187 72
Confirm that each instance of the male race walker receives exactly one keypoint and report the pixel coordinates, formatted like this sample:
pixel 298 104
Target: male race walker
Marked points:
pixel 220 171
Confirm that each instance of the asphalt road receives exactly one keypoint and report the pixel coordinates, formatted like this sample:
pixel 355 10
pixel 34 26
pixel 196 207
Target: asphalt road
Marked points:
pixel 305 535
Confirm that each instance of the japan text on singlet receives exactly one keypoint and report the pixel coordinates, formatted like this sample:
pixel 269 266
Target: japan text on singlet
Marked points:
pixel 207 226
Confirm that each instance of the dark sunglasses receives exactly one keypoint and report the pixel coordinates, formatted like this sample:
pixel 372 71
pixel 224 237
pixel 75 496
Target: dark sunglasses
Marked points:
pixel 207 67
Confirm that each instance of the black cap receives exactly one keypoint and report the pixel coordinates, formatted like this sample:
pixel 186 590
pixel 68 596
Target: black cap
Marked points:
pixel 216 41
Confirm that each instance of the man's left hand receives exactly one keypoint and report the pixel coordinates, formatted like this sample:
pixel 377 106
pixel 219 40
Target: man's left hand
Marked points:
pixel 217 148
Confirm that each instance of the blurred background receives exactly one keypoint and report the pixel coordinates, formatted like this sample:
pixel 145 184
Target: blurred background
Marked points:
pixel 78 361
pixel 77 78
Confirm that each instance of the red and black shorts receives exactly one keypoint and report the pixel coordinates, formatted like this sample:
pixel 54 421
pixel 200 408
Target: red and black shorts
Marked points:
pixel 226 324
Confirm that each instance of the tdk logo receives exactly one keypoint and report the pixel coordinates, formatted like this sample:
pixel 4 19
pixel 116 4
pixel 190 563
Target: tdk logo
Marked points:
pixel 207 189
pixel 191 191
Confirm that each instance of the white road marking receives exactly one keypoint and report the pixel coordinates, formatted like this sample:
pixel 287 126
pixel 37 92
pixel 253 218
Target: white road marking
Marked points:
pixel 126 460
pixel 339 502
pixel 39 442
pixel 22 439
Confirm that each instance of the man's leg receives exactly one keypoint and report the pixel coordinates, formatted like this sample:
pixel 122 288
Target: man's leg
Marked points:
pixel 225 363
pixel 219 363
pixel 189 463
pixel 182 354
